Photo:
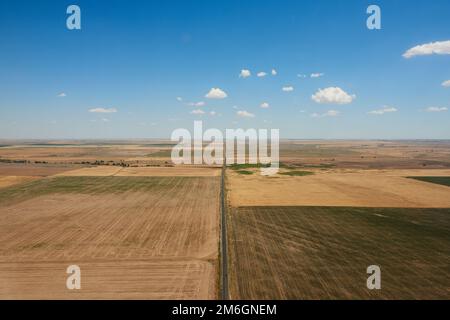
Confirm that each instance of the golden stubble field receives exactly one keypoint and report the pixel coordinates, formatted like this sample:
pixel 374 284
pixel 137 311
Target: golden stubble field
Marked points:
pixel 340 187
pixel 134 237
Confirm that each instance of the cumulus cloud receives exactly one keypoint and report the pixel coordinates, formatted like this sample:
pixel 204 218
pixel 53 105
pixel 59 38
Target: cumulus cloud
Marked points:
pixel 103 110
pixel 332 95
pixel 245 114
pixel 446 84
pixel 438 47
pixel 316 75
pixel 301 75
pixel 216 93
pixel 62 95
pixel 212 113
pixel 436 109
pixel 385 109
pixel 196 104
pixel 274 72
pixel 179 99
pixel 245 73
pixel 288 88
pixel 261 74
pixel 329 113
pixel 197 111
pixel 264 105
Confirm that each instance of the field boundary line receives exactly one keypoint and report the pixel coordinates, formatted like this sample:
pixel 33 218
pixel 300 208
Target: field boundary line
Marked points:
pixel 223 238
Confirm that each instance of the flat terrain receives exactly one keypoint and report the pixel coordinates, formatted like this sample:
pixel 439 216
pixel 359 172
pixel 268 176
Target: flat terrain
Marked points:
pixel 7 181
pixel 133 237
pixel 445 181
pixel 138 153
pixel 340 187
pixel 34 170
pixel 372 154
pixel 141 228
pixel 357 154
pixel 104 171
pixel 335 208
pixel 323 252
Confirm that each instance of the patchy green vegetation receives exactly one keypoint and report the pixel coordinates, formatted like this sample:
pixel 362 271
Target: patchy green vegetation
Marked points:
pixel 438 180
pixel 160 154
pixel 297 173
pixel 246 172
pixel 89 185
pixel 13 161
pixel 323 252
pixel 247 166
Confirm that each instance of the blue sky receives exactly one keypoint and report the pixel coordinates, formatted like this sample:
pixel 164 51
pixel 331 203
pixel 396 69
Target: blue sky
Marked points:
pixel 137 57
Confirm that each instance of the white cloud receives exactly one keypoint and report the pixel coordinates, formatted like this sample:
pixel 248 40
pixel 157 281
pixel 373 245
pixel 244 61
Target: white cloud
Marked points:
pixel 179 99
pixel 436 109
pixel 288 88
pixel 62 95
pixel 196 104
pixel 264 105
pixel 329 113
pixel 216 93
pixel 197 111
pixel 274 72
pixel 333 95
pixel 446 84
pixel 385 109
pixel 235 107
pixel 212 113
pixel 245 114
pixel 438 47
pixel 245 73
pixel 261 74
pixel 103 110
pixel 316 75
pixel 301 75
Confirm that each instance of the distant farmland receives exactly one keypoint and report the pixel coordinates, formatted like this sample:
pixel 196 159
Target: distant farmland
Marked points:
pixel 142 228
pixel 133 237
pixel 323 252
